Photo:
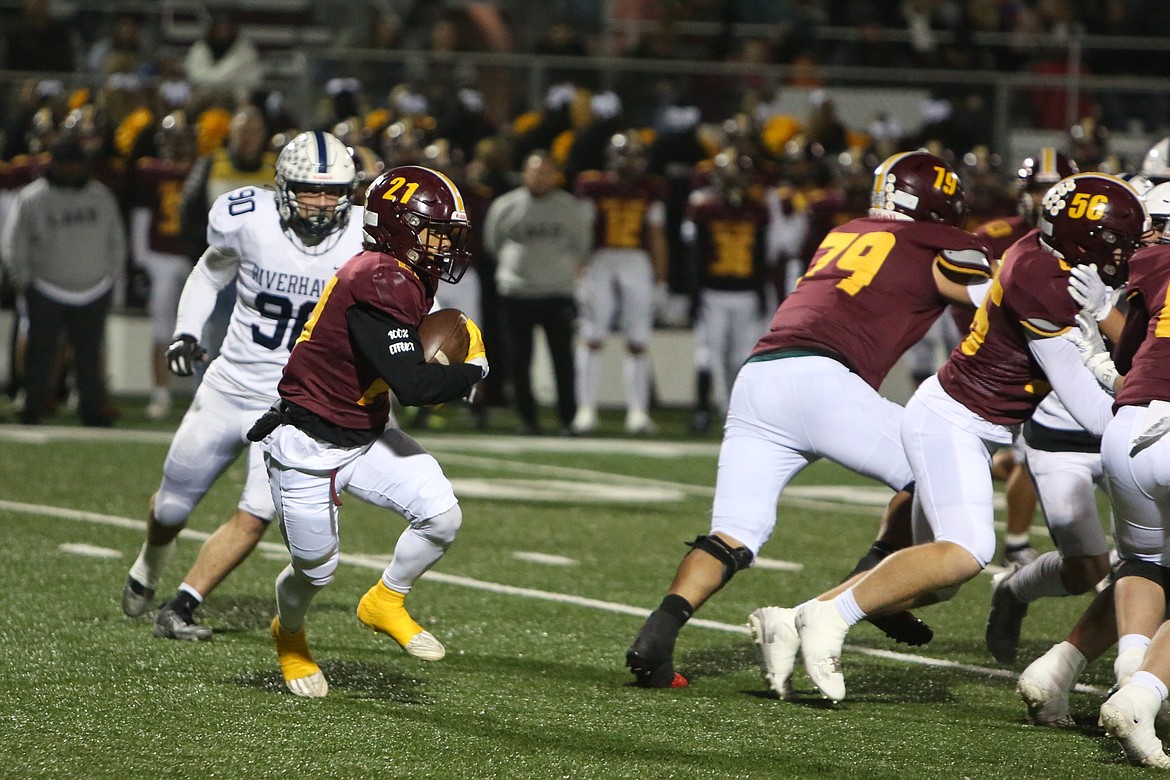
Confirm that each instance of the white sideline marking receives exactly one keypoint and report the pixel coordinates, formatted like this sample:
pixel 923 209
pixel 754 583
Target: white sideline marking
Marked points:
pixel 561 491
pixel 776 565
pixel 378 564
pixel 551 560
pixel 89 550
pixel 838 498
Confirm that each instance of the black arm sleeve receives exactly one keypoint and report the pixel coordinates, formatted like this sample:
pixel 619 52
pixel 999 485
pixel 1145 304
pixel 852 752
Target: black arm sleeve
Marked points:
pixel 396 353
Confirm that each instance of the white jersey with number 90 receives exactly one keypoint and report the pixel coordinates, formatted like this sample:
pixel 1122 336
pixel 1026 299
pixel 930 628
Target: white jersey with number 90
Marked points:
pixel 278 282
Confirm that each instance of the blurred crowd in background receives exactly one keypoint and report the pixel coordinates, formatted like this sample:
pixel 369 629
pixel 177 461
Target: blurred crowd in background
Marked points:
pixel 156 120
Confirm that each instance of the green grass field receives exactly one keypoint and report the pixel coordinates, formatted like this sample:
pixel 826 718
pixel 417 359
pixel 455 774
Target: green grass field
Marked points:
pixel 566 544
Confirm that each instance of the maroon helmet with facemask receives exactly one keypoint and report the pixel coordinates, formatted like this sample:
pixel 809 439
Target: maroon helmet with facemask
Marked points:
pixel 1094 218
pixel 404 202
pixel 920 186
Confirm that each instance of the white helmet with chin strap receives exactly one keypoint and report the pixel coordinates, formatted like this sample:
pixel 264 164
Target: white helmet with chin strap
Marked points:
pixel 1158 204
pixel 314 162
pixel 1156 165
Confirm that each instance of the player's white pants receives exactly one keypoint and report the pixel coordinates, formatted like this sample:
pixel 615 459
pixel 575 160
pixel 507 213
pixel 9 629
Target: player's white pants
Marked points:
pixel 307 476
pixel 727 328
pixel 783 415
pixel 617 278
pixel 949 447
pixel 212 434
pixel 1139 487
pixel 467 296
pixel 168 274
pixel 1066 486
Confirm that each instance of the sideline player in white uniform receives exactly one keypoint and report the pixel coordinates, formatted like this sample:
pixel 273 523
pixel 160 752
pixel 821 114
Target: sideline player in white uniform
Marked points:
pixel 281 248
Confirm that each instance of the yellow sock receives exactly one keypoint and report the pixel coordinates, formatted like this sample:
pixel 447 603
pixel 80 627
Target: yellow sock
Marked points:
pixel 383 610
pixel 293 651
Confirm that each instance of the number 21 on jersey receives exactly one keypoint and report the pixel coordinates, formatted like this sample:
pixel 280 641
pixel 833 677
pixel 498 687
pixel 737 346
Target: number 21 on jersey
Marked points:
pixel 861 254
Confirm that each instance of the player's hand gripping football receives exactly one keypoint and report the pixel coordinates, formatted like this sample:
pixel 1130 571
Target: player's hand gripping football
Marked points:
pixel 183 353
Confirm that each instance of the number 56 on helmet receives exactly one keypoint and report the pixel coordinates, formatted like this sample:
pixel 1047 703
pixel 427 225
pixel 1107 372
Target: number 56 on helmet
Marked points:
pixel 417 215
pixel 1094 218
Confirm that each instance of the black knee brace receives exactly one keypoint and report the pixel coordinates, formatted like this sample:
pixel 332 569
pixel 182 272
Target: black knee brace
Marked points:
pixel 1134 568
pixel 733 560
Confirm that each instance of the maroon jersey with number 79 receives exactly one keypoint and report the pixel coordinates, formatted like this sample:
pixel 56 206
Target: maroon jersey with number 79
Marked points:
pixel 870 294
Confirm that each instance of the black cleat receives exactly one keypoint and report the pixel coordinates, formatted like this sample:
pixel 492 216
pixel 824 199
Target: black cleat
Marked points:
pixel 650 657
pixel 171 623
pixel 1005 620
pixel 904 628
pixel 136 597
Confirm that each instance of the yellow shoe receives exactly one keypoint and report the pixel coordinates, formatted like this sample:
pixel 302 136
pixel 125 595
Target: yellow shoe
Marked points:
pixel 383 610
pixel 301 673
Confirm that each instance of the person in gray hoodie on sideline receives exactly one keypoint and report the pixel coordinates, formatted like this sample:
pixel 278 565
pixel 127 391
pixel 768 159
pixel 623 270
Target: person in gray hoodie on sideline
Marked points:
pixel 541 236
pixel 65 249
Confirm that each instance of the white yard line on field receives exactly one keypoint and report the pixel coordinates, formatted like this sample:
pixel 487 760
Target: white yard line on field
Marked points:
pixel 377 564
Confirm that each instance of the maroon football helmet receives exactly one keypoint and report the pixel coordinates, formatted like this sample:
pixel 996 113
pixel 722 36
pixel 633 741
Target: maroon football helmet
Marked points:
pixel 404 202
pixel 921 186
pixel 1094 218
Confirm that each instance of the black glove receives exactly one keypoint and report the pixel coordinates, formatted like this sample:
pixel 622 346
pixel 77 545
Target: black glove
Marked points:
pixel 268 422
pixel 183 353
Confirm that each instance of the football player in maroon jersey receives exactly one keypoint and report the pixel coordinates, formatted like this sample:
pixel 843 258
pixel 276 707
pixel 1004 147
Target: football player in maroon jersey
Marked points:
pixel 1135 456
pixel 630 258
pixel 724 228
pixel 155 245
pixel 810 388
pixel 1045 684
pixel 1034 177
pixel 328 433
pixel 993 381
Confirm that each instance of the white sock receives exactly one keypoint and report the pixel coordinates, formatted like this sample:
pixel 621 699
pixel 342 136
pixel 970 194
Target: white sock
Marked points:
pixel 1038 579
pixel 588 374
pixel 1016 540
pixel 151 561
pixel 1139 641
pixel 413 555
pixel 636 372
pixel 185 588
pixel 847 608
pixel 294 594
pixel 1150 683
pixel 160 395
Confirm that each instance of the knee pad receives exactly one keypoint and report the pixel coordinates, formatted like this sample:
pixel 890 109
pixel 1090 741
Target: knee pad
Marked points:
pixel 733 559
pixel 319 572
pixel 172 510
pixel 1144 569
pixel 441 529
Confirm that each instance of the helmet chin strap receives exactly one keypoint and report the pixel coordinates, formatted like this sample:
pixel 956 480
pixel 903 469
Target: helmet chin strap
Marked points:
pixel 312 245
